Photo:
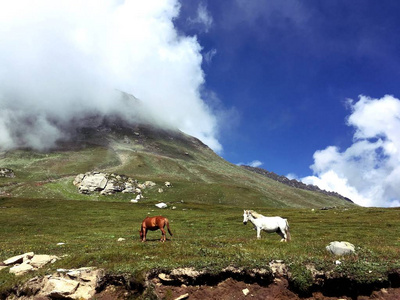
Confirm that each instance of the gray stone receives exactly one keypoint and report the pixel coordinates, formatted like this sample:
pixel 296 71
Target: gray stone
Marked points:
pixel 18 259
pixel 74 284
pixel 340 248
pixel 78 179
pixel 21 269
pixel 93 182
pixel 59 287
pixel 39 261
pixel 149 183
pixel 5 172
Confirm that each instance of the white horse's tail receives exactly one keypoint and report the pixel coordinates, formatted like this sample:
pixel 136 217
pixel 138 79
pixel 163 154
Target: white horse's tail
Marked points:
pixel 288 236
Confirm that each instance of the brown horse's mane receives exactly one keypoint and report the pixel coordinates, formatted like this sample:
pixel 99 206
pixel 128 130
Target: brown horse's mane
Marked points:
pixel 255 214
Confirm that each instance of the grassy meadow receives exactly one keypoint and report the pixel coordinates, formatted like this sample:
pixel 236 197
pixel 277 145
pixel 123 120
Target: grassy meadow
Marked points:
pixel 205 237
pixel 40 207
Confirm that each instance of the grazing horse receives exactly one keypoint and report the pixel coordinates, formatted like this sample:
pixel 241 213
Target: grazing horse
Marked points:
pixel 154 223
pixel 268 224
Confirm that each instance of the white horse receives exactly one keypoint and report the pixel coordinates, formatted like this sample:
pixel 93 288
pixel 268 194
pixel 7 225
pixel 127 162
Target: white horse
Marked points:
pixel 268 224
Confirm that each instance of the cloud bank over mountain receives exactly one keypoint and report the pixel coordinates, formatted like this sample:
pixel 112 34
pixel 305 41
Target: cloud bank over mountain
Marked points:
pixel 367 172
pixel 62 60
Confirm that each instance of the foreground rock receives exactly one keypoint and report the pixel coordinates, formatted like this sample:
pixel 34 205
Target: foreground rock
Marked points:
pixel 21 264
pixel 65 284
pixel 189 283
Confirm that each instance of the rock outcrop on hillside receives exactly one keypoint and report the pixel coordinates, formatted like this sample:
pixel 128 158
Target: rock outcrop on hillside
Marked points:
pixel 6 172
pixel 293 182
pixel 108 184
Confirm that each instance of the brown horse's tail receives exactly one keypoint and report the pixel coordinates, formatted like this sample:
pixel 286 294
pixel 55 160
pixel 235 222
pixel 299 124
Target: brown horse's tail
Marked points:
pixel 167 223
pixel 288 236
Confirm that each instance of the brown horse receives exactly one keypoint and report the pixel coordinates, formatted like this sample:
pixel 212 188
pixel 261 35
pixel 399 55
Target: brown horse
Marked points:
pixel 154 223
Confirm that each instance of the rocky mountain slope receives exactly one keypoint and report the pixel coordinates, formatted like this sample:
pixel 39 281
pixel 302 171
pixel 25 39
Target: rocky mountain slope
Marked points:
pixel 293 182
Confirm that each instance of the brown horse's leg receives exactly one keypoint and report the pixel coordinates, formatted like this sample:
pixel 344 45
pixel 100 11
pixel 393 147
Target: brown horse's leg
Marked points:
pixel 163 234
pixel 144 234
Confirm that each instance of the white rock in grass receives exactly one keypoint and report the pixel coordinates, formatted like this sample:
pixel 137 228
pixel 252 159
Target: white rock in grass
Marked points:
pixel 39 261
pixel 18 259
pixel 21 269
pixel 340 248
pixel 161 205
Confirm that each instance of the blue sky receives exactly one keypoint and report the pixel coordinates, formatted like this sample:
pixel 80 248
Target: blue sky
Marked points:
pixel 288 68
pixel 308 89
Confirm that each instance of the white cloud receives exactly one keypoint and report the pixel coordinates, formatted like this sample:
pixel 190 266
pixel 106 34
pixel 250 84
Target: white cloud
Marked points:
pixel 203 18
pixel 209 55
pixel 63 59
pixel 368 172
pixel 292 176
pixel 254 164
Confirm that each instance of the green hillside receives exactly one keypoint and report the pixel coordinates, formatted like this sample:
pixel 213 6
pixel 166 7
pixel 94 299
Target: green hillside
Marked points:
pixel 148 153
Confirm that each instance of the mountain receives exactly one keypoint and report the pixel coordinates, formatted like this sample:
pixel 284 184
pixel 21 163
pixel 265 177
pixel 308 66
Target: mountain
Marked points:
pixel 147 152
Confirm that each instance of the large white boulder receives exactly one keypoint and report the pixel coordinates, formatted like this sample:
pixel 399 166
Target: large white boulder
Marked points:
pixel 340 248
pixel 93 182
pixel 60 287
pixel 74 284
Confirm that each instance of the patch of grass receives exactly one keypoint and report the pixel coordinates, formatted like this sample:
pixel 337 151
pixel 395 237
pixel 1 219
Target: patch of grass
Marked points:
pixel 301 278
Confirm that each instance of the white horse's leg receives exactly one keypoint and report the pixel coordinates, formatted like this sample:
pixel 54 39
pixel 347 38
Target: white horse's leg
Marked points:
pixel 258 233
pixel 282 233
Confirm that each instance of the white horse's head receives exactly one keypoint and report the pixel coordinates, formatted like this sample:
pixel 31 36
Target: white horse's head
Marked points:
pixel 245 216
